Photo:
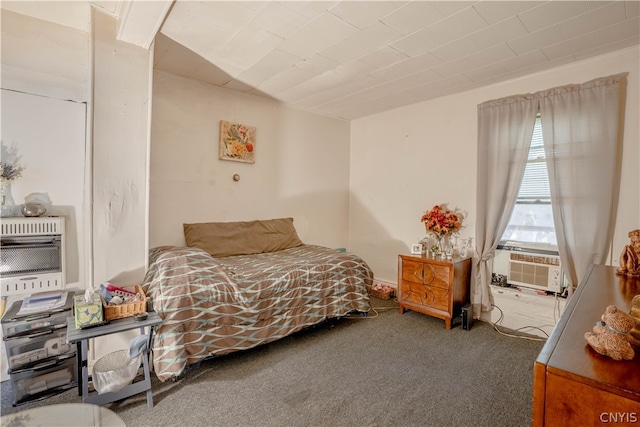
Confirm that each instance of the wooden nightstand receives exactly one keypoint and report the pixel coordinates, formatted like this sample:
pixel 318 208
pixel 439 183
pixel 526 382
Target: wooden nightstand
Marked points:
pixel 433 286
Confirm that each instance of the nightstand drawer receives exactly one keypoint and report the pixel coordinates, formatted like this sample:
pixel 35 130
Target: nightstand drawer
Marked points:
pixel 428 296
pixel 428 274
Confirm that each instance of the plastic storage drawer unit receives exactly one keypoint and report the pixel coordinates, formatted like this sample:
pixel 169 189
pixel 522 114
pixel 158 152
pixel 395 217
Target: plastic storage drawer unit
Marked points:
pixel 37 383
pixel 40 360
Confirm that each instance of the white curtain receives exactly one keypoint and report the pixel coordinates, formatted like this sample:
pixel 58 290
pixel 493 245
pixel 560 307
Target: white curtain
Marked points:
pixel 581 132
pixel 505 128
pixel 581 128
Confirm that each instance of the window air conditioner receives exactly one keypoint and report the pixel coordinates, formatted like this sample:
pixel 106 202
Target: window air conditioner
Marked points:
pixel 535 271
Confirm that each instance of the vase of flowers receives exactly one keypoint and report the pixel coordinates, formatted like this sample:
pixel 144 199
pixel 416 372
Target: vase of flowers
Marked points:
pixel 442 222
pixel 10 170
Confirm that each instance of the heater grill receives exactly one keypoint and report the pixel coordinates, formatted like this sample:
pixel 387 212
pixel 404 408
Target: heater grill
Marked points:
pixel 32 255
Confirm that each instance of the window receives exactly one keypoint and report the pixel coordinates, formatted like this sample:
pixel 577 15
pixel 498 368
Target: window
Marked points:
pixel 531 223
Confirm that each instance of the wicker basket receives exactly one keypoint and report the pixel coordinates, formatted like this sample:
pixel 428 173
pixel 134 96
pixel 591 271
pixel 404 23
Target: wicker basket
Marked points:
pixel 380 294
pixel 112 312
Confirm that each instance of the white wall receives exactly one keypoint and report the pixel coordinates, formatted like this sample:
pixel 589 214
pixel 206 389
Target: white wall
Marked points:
pixel 102 180
pixel 301 164
pixel 407 160
pixel 43 58
pixel 45 87
pixel 121 112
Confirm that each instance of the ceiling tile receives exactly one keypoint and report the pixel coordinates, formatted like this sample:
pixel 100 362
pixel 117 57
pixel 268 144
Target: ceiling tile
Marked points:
pixel 317 35
pixel 510 65
pixel 353 69
pixel 348 92
pixel 361 43
pixel 536 40
pixel 542 66
pixel 456 49
pixel 285 80
pixel 508 29
pixel 496 53
pixel 383 57
pixel 413 17
pixel 316 84
pixel 406 67
pixel 416 43
pixel 247 47
pixel 451 7
pixel 622 31
pixel 279 20
pixel 599 18
pixel 222 19
pixel 594 4
pixel 309 9
pixel 456 66
pixel 551 13
pixel 411 81
pixel 496 11
pixel 317 64
pixel 455 26
pixel 273 63
pixel 570 47
pixel 363 14
pixel 606 48
pixel 487 37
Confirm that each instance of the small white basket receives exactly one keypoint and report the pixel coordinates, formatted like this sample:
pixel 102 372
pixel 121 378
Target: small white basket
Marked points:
pixel 113 372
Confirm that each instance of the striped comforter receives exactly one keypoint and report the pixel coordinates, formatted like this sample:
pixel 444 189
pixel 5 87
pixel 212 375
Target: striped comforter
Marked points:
pixel 214 306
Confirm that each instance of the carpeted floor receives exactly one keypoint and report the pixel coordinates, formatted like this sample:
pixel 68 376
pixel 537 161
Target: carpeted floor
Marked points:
pixel 382 370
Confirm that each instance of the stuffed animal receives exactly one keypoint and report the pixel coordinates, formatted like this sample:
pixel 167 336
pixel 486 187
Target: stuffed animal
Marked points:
pixel 611 336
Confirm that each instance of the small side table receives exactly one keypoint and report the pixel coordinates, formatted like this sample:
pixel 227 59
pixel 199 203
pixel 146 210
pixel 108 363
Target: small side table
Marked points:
pixel 80 337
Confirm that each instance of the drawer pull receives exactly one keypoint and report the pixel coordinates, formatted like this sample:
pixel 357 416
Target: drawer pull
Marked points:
pixel 36 317
pixel 40 334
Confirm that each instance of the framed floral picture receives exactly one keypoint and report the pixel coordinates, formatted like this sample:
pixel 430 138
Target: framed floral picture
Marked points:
pixel 237 142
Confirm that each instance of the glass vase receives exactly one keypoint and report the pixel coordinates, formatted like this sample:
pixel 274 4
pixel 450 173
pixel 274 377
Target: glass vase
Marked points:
pixel 8 204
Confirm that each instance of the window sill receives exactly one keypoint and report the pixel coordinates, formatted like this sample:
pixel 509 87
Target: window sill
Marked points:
pixel 536 248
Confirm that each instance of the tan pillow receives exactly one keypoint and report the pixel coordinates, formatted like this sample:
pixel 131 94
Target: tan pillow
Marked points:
pixel 242 238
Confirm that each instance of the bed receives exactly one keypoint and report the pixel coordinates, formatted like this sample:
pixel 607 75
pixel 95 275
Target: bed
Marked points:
pixel 242 284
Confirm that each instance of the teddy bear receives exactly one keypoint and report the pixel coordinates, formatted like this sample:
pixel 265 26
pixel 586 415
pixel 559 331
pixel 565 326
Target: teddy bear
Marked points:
pixel 611 336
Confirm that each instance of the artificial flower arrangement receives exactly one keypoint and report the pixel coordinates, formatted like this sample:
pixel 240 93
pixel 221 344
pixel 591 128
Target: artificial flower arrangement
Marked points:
pixel 10 168
pixel 442 221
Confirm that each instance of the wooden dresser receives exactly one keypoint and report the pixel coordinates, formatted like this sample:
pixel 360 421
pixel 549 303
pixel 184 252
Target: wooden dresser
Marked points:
pixel 572 384
pixel 433 286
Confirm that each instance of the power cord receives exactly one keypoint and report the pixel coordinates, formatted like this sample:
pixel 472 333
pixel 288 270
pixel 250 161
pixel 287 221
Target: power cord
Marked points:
pixel 372 313
pixel 496 326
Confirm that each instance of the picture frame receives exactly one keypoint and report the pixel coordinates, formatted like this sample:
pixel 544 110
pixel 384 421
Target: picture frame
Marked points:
pixel 416 249
pixel 237 142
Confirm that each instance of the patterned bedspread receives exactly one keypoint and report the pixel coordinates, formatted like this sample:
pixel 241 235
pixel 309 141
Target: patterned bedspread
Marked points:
pixel 214 306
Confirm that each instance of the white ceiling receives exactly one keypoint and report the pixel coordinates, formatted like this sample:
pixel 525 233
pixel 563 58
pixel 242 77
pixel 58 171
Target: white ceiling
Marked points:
pixel 349 59
pixel 353 58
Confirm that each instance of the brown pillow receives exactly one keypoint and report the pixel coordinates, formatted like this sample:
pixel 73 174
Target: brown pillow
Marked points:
pixel 242 238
